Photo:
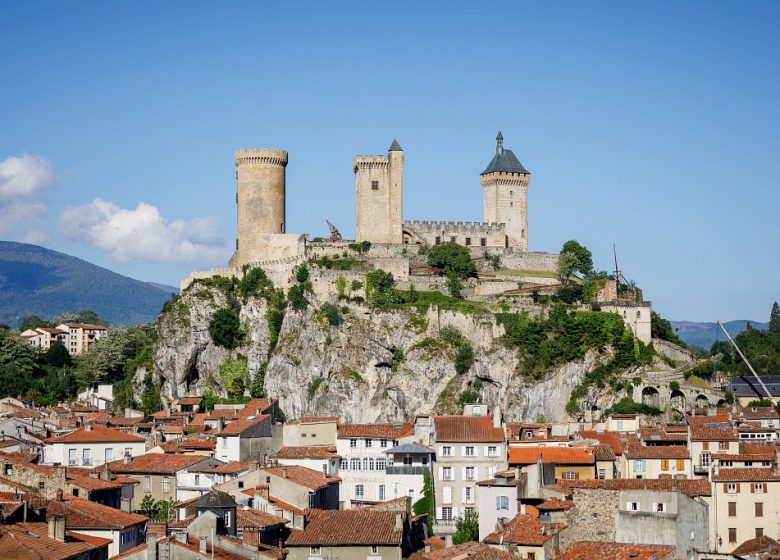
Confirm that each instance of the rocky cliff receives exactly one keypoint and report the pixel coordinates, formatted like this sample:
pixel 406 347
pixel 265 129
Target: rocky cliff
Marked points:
pixel 365 364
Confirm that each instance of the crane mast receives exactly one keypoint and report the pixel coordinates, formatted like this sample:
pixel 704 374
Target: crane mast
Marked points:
pixel 741 355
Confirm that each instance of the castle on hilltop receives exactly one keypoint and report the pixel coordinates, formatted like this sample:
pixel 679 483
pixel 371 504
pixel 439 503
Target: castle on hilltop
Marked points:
pixel 261 206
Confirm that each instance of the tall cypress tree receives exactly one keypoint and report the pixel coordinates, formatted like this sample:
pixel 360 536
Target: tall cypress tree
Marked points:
pixel 774 319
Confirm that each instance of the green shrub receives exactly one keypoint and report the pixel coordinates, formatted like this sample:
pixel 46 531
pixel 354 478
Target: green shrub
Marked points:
pixel 464 358
pixel 627 405
pixel 314 384
pixel 332 313
pixel 225 328
pixel 297 297
pixel 233 374
pixel 674 386
pixel 253 281
pixel 450 335
pixel 356 285
pixel 361 247
pixel 468 397
pixel 452 259
pixel 302 274
pixel 454 285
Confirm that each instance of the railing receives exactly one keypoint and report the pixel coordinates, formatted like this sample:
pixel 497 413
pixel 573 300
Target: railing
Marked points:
pixel 86 461
pixel 406 470
pixel 701 470
pixel 73 462
pixel 446 522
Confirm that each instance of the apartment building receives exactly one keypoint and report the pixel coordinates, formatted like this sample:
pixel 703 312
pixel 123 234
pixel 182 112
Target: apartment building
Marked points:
pixel 469 448
pixel 91 446
pixel 81 336
pixel 43 338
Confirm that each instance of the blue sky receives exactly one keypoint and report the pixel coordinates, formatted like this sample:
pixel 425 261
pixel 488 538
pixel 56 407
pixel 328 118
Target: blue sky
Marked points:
pixel 651 125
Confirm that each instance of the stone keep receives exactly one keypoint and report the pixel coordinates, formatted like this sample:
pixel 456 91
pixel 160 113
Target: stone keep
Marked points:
pixel 505 195
pixel 379 196
pixel 260 201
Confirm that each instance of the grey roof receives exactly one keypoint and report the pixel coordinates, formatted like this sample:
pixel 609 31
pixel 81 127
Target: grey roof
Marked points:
pixel 216 499
pixel 747 386
pixel 409 448
pixel 505 161
pixel 395 146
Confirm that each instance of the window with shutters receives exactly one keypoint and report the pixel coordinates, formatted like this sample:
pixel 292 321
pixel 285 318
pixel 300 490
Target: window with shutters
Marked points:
pixel 723 445
pixel 759 488
pixel 446 451
pixel 492 451
pixel 446 473
pixel 469 451
pixel 732 534
pixel 732 509
pixel 680 464
pixel 446 513
pixel 570 475
pixel 502 502
pixel 732 488
pixel 664 464
pixel 759 509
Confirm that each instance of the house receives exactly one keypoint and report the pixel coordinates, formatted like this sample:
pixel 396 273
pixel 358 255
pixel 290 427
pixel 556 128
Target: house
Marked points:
pixel 586 550
pixel 407 465
pixel 356 535
pixel 312 457
pixel 469 448
pixel 657 461
pixel 188 404
pixel 498 500
pixel 535 434
pixel 91 446
pixel 81 336
pixel 43 338
pixel 567 463
pixel 622 423
pixel 363 468
pixel 746 504
pixel 526 536
pixel 157 475
pixel 124 530
pixel 465 551
pixel 707 435
pixel 249 437
pixel 747 389
pixel 100 396
pixel 51 541
pixel 311 430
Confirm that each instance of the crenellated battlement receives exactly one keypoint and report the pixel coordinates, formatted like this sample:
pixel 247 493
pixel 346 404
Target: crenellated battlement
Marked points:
pixel 262 156
pixel 425 226
pixel 369 162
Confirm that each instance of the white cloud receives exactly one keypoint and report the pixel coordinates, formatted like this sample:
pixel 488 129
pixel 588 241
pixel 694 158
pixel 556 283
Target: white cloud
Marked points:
pixel 23 180
pixel 142 234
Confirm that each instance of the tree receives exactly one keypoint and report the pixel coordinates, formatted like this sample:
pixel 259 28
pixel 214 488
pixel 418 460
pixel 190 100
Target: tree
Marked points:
pixel 148 506
pixel 90 317
pixel 297 298
pixel 567 265
pixel 774 319
pixel 302 274
pixel 464 357
pixel 57 355
pixel 584 257
pixel 451 258
pixel 454 285
pixel 662 329
pixel 234 374
pixel 257 388
pixel 225 328
pixel 466 528
pixel 150 399
pixel 424 506
pixel 32 322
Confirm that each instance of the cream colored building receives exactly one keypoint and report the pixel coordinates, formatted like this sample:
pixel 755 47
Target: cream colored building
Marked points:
pixel 81 336
pixel 44 337
pixel 311 431
pixel 660 461
pixel 92 446
pixel 745 504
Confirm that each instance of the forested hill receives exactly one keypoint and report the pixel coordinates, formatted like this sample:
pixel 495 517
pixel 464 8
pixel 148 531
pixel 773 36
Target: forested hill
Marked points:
pixel 704 334
pixel 39 281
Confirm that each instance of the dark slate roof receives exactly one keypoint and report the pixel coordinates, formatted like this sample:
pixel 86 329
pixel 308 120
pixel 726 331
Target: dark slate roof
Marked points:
pixel 505 161
pixel 410 448
pixel 395 146
pixel 215 499
pixel 747 386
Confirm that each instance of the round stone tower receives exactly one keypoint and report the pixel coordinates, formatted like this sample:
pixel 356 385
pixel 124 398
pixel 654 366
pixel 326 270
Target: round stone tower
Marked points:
pixel 505 195
pixel 260 199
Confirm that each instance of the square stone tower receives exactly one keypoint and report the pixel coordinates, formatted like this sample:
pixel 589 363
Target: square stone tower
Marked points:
pixel 505 195
pixel 379 196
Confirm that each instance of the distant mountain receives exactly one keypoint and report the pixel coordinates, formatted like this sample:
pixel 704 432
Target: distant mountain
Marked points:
pixel 704 334
pixel 39 281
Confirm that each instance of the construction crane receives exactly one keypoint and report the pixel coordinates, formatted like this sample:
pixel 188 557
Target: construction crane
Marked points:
pixel 744 359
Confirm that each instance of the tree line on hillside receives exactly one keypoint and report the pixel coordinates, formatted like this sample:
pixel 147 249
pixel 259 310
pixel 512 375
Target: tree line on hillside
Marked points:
pixel 761 348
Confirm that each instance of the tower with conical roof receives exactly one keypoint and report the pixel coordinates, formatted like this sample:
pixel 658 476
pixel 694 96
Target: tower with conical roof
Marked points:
pixel 379 196
pixel 505 195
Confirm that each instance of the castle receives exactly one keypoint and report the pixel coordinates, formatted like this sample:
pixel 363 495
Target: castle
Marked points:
pixel 261 206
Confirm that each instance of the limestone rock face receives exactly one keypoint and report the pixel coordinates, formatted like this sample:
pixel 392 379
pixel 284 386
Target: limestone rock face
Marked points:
pixel 373 366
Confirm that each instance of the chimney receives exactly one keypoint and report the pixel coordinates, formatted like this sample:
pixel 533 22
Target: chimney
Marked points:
pixel 127 458
pixel 56 526
pixel 202 547
pixel 106 472
pixel 325 469
pixel 284 471
pixel 52 522
pixel 88 427
pixel 399 522
pixel 151 547
pixel 497 417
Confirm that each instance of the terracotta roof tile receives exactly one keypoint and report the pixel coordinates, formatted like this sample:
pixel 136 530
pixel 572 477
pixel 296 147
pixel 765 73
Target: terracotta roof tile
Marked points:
pixel 554 504
pixel 17 541
pixel 231 467
pixel 237 427
pixel 318 419
pixel 390 430
pixel 745 474
pixel 470 551
pixel 756 545
pixel 347 527
pixel 585 550
pixel 638 451
pixel 560 455
pixel 254 518
pixel 162 463
pixel 612 439
pixel 96 434
pixel 467 429
pixel 293 452
pixel 524 529
pixel 84 515
pixel 689 487
pixel 309 478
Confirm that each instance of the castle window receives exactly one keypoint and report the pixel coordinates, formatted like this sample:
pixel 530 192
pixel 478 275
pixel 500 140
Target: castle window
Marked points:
pixel 438 240
pixel 374 185
pixel 468 241
pixel 453 239
pixel 483 242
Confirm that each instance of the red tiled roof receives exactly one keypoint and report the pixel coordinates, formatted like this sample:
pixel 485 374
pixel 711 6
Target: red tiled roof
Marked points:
pixel 711 428
pixel 162 463
pixel 256 519
pixel 604 453
pixel 96 434
pixel 524 529
pixel 17 541
pixel 237 427
pixel 605 438
pixel 467 429
pixel 757 412
pixel 85 326
pixel 659 433
pixel 390 430
pixel 638 451
pixel 189 401
pixel 744 457
pixel 560 455
pixel 586 550
pixel 347 527
pixel 308 478
pixel 689 487
pixel 318 419
pixel 231 467
pixel 745 474
pixel 91 539
pixel 256 406
pixel 554 504
pixel 756 545
pixel 83 514
pixel 293 452
pixel 467 551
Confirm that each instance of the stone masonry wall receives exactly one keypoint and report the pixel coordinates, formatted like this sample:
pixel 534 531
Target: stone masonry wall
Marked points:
pixel 593 518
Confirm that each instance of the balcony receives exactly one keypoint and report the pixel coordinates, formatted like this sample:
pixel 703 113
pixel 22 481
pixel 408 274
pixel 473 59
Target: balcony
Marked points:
pixel 405 469
pixel 701 470
pixel 86 461
pixel 73 462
